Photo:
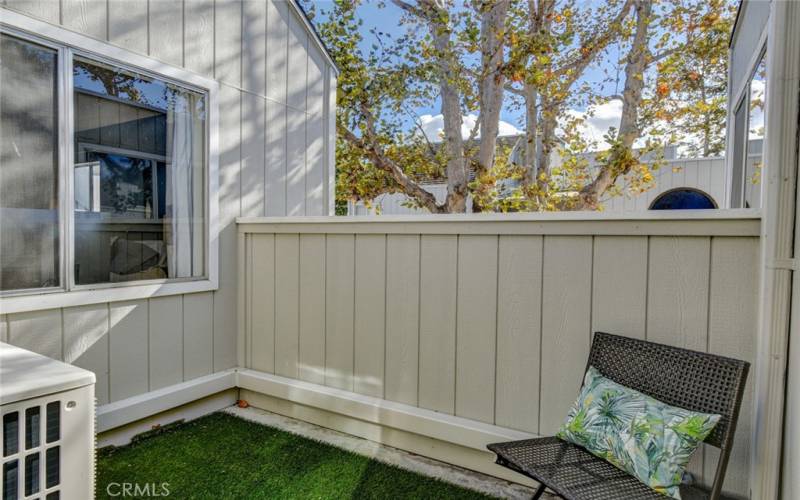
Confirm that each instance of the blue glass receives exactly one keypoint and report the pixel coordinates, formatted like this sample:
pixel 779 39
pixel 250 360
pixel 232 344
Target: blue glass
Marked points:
pixel 683 199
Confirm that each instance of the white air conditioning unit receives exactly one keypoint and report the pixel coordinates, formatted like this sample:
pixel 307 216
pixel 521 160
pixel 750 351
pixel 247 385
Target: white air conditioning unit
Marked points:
pixel 47 439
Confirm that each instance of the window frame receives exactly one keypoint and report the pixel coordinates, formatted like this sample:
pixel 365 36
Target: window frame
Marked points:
pixel 67 294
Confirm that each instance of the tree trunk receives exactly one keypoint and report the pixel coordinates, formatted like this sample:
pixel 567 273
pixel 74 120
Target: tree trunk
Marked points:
pixel 493 19
pixel 457 179
pixel 620 160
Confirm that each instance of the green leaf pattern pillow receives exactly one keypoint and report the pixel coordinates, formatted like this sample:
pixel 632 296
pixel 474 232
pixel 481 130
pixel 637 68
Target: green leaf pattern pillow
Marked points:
pixel 638 434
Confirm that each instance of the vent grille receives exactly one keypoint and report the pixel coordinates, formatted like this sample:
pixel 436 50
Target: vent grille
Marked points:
pixel 35 470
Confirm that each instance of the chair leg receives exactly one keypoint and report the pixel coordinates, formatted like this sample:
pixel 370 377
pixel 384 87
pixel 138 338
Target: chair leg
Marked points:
pixel 539 492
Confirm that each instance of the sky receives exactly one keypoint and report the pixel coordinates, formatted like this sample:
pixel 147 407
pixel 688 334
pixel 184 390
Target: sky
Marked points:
pixel 385 18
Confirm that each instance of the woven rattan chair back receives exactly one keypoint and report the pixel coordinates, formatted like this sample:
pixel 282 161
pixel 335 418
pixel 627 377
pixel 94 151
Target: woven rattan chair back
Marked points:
pixel 688 379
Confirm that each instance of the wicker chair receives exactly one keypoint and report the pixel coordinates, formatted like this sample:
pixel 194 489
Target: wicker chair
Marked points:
pixel 679 377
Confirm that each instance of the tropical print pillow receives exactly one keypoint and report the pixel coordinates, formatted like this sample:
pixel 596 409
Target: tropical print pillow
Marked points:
pixel 638 434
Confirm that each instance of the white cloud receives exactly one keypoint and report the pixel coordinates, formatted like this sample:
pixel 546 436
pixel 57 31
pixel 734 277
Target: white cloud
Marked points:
pixel 433 127
pixel 597 120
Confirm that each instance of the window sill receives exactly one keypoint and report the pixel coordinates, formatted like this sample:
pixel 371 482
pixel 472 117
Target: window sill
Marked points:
pixel 58 299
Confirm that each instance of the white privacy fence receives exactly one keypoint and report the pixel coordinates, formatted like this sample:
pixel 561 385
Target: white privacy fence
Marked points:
pixel 484 322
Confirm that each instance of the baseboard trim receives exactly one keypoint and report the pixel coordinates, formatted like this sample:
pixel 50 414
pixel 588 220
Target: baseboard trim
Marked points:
pixel 125 411
pixel 441 426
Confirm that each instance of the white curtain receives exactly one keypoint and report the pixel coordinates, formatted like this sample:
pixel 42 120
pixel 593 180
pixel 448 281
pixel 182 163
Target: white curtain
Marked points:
pixel 181 210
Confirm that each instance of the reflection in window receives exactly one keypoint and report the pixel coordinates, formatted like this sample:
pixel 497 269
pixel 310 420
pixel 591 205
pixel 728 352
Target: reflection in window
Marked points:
pixel 754 163
pixel 29 221
pixel 139 176
pixel 748 141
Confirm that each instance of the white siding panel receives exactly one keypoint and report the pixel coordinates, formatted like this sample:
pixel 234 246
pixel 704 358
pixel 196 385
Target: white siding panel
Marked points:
pixel 254 46
pixel 370 314
pixel 128 349
pixel 677 294
pixel 166 341
pixel 402 318
pixel 437 322
pixel 37 331
pixel 519 336
pixel 733 321
pixel 198 33
pixel 43 9
pixel 476 327
pixel 566 324
pixel 229 205
pixel 619 285
pixel 315 166
pixel 339 284
pixel 261 304
pixel 297 64
pixel 330 146
pixel 86 343
pixel 228 41
pixel 3 328
pixel 296 163
pixel 287 307
pixel 275 158
pixel 166 31
pixel 311 357
pixel 254 110
pixel 277 41
pixel 198 335
pixel 87 17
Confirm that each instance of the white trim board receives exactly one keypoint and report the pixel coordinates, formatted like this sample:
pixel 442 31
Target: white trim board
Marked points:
pixel 428 423
pixel 125 411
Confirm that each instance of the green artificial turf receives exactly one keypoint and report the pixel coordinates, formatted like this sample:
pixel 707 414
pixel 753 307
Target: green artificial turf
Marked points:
pixel 221 456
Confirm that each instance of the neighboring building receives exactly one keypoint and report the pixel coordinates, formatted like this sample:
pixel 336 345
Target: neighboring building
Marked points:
pixel 133 135
pixel 678 183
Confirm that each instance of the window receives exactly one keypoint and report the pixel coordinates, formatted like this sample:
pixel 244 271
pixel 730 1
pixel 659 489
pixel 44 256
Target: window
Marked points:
pixel 29 184
pixel 138 176
pixel 748 141
pixel 107 171
pixel 683 199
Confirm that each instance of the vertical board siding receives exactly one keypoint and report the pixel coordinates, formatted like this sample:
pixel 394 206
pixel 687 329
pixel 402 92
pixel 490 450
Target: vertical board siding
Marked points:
pixel 86 343
pixel 339 310
pixel 619 285
pixel 254 51
pixel 254 109
pixel 733 322
pixel 166 30
pixel 128 349
pixel 497 328
pixel 198 36
pixel 87 17
pixel 37 331
pixel 519 336
pixel 287 306
pixel 566 325
pixel 261 303
pixel 476 324
pixel 437 322
pixel 47 10
pixel 198 335
pixel 228 41
pixel 127 24
pixel 166 341
pixel 370 314
pixel 311 356
pixel 402 318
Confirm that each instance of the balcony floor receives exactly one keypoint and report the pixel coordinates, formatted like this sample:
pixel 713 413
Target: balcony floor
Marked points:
pixel 224 456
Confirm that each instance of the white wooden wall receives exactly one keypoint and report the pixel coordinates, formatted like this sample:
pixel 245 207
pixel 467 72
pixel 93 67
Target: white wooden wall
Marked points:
pixel 490 318
pixel 277 99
